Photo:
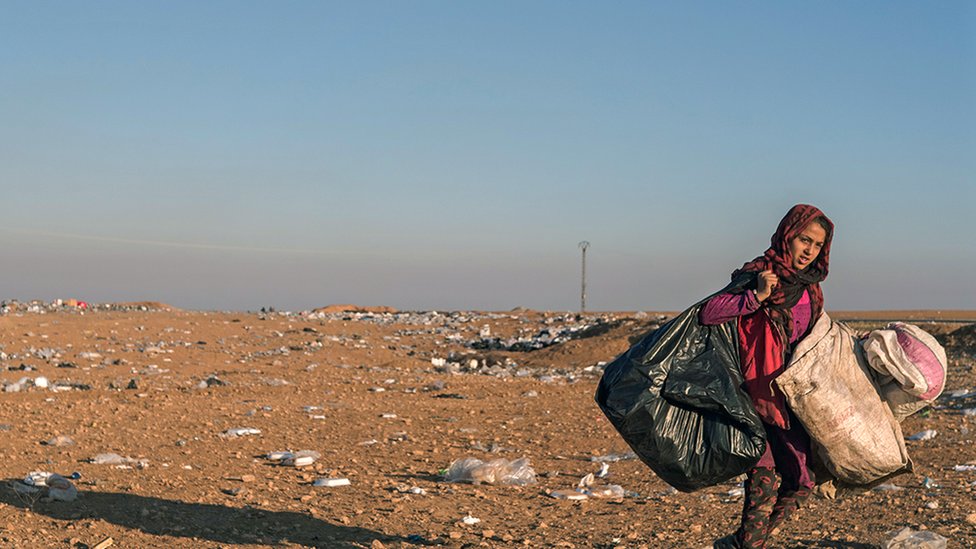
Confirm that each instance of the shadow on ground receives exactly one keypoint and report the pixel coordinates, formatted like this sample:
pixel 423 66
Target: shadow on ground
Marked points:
pixel 217 523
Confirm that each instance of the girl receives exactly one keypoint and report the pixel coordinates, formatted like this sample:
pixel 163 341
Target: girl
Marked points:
pixel 776 309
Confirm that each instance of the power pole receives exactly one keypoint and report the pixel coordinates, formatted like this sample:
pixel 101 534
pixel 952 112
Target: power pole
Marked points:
pixel 583 246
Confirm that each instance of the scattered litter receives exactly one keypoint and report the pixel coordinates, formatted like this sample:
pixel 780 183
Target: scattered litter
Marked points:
pixel 211 381
pixel 614 457
pixel 887 488
pixel 47 485
pixel 571 495
pixel 907 538
pixel 927 434
pixel 961 468
pixel 498 471
pixel 59 441
pixel 119 461
pixel 604 471
pixel 331 482
pixel 240 432
pixel 929 484
pixel 301 458
pixel 469 520
pixel 587 488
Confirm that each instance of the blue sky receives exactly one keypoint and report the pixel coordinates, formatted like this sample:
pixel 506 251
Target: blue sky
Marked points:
pixel 451 155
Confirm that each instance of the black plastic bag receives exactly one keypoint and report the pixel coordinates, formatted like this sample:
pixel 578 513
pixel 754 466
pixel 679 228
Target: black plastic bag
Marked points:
pixel 676 397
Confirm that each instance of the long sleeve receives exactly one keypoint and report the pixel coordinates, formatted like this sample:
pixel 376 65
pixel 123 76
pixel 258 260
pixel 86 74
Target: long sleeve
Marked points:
pixel 724 307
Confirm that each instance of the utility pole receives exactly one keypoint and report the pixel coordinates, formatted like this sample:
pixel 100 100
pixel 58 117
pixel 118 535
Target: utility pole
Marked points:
pixel 583 246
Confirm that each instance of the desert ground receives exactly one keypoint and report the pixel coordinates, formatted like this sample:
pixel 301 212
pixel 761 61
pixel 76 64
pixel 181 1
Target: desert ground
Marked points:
pixel 388 401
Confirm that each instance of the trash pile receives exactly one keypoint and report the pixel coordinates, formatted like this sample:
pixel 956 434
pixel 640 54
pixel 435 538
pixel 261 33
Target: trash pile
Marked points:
pixel 47 486
pixel 37 306
pixel 572 328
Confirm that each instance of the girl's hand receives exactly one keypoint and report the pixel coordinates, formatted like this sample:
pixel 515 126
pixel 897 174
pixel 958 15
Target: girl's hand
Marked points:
pixel 767 283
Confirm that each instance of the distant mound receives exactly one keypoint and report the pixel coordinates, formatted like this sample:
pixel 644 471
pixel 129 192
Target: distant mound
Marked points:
pixel 141 305
pixel 333 309
pixel 961 339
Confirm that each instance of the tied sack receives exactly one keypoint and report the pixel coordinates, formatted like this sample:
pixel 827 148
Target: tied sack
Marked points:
pixel 830 390
pixel 909 367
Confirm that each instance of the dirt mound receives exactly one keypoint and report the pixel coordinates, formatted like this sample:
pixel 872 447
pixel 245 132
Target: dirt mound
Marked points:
pixel 961 339
pixel 333 309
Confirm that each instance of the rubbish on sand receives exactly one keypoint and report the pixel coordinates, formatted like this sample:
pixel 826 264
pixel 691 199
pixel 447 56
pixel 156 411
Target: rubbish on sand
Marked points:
pixel 927 434
pixel 498 471
pixel 240 432
pixel 300 458
pixel 331 482
pixel 906 538
pixel 119 461
pixel 47 485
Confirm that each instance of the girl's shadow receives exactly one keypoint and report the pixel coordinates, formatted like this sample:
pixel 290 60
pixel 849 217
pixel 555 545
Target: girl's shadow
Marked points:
pixel 217 523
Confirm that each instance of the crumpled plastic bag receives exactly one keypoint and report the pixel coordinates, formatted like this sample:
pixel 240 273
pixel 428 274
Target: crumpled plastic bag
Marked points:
pixel 497 471
pixel 906 538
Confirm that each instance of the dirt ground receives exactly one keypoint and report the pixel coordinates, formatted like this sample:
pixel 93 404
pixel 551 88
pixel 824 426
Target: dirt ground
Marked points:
pixel 389 400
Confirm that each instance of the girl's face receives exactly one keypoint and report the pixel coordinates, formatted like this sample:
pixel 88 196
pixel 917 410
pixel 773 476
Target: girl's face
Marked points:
pixel 805 247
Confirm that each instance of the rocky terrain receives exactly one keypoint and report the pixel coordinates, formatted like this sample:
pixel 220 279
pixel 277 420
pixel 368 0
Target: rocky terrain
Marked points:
pixel 172 426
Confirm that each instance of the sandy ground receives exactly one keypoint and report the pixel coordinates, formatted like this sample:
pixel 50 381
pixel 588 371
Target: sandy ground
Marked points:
pixel 164 387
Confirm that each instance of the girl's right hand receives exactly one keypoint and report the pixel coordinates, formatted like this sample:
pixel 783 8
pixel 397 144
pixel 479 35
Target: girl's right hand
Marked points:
pixel 767 283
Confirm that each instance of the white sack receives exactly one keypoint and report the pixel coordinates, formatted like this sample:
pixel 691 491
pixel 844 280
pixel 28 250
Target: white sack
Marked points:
pixel 829 388
pixel 909 366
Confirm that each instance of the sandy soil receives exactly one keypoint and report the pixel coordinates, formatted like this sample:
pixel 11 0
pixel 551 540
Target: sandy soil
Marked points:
pixel 164 386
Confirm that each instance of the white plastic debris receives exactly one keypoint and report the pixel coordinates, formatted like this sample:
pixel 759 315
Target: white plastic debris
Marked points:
pixel 604 471
pixel 119 461
pixel 887 488
pixel 610 458
pixel 331 482
pixel 961 393
pixel 961 468
pixel 927 434
pixel 907 538
pixel 469 520
pixel 498 471
pixel 50 485
pixel 736 492
pixel 571 495
pixel 241 432
pixel 301 458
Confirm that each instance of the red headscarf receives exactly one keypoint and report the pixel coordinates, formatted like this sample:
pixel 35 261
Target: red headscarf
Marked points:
pixel 792 282
pixel 764 336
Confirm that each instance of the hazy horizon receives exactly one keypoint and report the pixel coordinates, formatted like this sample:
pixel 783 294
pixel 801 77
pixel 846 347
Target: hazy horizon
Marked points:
pixel 450 156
